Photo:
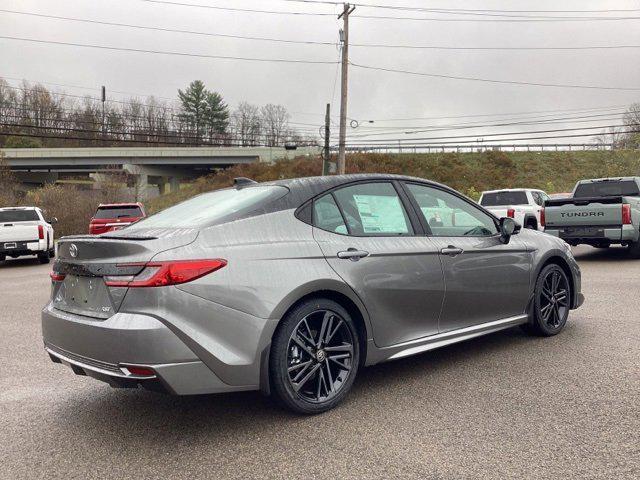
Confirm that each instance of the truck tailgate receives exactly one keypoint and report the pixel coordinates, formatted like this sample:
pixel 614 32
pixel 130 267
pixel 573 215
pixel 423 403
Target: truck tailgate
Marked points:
pixel 584 211
pixel 18 232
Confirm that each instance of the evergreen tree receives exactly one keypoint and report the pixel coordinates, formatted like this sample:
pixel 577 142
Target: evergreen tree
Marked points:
pixel 203 110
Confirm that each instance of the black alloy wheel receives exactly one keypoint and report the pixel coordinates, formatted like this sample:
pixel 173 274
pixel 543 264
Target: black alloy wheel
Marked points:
pixel 315 356
pixel 552 301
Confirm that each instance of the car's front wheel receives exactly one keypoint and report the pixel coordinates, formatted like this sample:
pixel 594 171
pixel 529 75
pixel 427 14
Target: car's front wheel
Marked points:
pixel 314 356
pixel 552 302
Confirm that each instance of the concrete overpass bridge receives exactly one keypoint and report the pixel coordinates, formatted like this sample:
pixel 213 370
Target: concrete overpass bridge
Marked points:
pixel 156 168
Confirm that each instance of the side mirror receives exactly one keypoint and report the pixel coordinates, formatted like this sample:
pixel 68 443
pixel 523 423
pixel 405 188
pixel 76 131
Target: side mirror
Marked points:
pixel 508 227
pixel 53 220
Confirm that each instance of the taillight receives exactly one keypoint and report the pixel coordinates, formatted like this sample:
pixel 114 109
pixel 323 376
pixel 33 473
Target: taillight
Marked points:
pixel 543 220
pixel 40 232
pixel 162 274
pixel 57 277
pixel 511 213
pixel 626 214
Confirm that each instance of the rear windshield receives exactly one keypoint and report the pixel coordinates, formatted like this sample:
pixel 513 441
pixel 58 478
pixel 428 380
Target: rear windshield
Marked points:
pixel 18 216
pixel 118 212
pixel 608 188
pixel 495 199
pixel 213 207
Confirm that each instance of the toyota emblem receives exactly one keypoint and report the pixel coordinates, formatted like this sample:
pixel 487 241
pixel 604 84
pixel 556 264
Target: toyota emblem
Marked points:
pixel 73 250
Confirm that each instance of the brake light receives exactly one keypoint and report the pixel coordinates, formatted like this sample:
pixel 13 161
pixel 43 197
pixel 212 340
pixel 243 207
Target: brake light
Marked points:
pixel 57 277
pixel 40 232
pixel 162 274
pixel 626 214
pixel 511 213
pixel 543 220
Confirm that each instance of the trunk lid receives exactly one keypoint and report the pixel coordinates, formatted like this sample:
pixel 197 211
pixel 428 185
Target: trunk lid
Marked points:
pixel 584 211
pixel 85 259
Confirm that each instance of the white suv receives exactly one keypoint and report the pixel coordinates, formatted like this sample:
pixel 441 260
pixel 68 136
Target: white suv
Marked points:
pixel 524 205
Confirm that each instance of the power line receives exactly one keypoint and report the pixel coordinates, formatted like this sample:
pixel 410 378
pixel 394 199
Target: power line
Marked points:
pixel 464 10
pixel 526 132
pixel 89 88
pixel 489 80
pixel 417 145
pixel 162 52
pixel 241 10
pixel 575 119
pixel 171 30
pixel 316 43
pixel 516 19
pixel 611 107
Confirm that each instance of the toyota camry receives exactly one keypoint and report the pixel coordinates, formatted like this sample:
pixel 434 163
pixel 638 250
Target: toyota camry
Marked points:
pixel 292 286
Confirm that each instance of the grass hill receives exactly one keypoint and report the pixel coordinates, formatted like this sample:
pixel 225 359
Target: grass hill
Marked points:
pixel 469 173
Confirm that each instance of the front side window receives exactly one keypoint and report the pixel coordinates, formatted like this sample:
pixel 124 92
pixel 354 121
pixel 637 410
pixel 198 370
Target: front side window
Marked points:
pixel 373 209
pixel 450 216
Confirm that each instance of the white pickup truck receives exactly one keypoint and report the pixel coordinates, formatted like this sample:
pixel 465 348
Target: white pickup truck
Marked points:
pixel 24 231
pixel 524 205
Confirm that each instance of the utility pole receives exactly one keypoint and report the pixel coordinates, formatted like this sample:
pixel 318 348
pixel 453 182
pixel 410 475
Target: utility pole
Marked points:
pixel 348 9
pixel 103 97
pixel 326 153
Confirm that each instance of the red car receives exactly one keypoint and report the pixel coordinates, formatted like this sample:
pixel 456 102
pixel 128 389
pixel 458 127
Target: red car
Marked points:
pixel 115 216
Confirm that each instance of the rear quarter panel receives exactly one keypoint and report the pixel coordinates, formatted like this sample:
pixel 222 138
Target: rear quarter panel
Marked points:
pixel 272 261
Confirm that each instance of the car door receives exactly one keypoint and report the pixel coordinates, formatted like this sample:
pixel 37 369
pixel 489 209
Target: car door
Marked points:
pixel 375 244
pixel 485 278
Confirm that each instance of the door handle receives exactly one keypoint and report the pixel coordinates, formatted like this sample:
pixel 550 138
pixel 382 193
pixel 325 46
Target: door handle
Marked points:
pixel 353 254
pixel 451 251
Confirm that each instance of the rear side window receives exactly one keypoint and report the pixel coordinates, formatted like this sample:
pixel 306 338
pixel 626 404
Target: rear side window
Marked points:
pixel 608 188
pixel 494 199
pixel 213 207
pixel 8 216
pixel 118 212
pixel 327 216
pixel 372 209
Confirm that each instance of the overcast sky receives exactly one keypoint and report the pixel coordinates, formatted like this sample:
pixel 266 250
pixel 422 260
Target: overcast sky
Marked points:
pixel 305 89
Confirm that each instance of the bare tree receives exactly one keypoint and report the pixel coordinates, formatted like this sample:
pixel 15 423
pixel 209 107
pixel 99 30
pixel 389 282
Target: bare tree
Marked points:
pixel 247 124
pixel 275 124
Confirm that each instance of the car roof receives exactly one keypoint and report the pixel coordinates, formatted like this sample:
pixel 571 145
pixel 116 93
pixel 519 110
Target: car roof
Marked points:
pixel 115 205
pixel 612 179
pixel 19 208
pixel 306 188
pixel 512 190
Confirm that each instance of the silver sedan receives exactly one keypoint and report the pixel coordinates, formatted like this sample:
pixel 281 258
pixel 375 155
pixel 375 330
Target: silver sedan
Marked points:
pixel 292 286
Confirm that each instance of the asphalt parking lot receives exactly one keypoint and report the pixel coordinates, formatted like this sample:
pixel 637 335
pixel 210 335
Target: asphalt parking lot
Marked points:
pixel 502 406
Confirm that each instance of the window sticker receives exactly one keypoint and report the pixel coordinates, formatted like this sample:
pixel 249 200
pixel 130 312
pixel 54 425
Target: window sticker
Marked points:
pixel 381 214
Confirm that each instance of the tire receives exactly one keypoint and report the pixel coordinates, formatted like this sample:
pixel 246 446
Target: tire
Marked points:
pixel 549 317
pixel 2 258
pixel 314 357
pixel 531 225
pixel 52 253
pixel 43 257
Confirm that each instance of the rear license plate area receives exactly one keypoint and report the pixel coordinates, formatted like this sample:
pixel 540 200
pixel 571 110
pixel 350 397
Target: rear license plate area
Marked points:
pixel 569 232
pixel 84 295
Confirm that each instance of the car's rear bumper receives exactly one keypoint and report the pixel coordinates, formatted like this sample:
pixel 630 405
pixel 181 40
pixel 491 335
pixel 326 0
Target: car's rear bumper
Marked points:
pixel 18 249
pixel 604 234
pixel 185 362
